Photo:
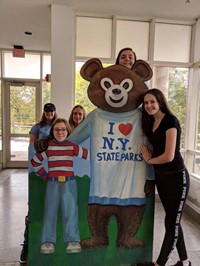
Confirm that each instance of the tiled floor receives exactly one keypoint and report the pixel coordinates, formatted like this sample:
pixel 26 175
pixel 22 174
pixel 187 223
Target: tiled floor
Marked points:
pixel 13 209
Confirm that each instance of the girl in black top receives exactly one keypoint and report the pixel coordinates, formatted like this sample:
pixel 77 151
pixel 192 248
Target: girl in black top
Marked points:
pixel 172 179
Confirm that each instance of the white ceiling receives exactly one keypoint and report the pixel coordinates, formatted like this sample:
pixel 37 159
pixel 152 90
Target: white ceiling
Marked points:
pixel 18 16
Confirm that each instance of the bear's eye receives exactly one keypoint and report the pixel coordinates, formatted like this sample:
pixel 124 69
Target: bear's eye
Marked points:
pixel 106 83
pixel 126 85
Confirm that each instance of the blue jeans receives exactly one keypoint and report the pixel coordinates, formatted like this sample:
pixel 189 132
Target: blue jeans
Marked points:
pixel 62 194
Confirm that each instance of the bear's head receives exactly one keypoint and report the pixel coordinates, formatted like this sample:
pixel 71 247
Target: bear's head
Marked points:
pixel 116 88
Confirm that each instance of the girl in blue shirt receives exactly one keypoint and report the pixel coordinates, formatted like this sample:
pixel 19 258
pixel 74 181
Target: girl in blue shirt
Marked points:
pixel 38 131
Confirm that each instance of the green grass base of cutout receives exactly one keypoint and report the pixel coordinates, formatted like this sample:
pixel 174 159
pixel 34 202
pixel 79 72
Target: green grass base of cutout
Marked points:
pixel 108 256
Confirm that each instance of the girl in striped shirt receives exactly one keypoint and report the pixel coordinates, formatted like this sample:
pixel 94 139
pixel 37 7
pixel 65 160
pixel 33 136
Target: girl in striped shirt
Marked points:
pixel 61 187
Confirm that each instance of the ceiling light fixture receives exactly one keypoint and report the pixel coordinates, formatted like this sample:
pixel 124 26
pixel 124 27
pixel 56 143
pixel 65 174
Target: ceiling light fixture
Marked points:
pixel 187 1
pixel 28 33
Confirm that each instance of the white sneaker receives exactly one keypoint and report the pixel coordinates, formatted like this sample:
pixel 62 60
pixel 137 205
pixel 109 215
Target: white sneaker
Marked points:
pixel 47 248
pixel 73 247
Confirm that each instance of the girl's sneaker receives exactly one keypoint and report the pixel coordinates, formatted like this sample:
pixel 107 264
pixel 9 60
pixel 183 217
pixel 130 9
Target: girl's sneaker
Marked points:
pixel 73 247
pixel 47 248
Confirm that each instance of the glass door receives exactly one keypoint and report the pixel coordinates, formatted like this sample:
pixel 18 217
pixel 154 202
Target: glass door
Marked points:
pixel 20 114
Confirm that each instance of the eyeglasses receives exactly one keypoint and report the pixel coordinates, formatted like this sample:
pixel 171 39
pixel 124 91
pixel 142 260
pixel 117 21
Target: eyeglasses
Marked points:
pixel 57 130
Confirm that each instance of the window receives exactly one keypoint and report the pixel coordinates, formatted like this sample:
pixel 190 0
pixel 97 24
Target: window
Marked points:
pixel 46 92
pixel 93 37
pixel 197 156
pixel 46 86
pixel 174 83
pixel 198 132
pixel 26 67
pixel 22 108
pixel 81 86
pixel 133 34
pixel 46 65
pixel 172 42
pixel 198 122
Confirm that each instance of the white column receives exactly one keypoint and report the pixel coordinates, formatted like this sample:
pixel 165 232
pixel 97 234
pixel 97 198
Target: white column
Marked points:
pixel 62 58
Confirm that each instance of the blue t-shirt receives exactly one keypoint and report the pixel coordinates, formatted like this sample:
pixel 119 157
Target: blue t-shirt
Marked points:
pixel 40 131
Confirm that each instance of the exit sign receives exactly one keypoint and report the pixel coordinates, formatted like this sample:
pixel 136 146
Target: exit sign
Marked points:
pixel 18 53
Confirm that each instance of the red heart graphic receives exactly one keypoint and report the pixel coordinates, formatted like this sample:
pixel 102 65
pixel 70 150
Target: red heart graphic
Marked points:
pixel 125 129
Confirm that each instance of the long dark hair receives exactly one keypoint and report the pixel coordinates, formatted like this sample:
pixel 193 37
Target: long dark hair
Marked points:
pixel 147 120
pixel 122 50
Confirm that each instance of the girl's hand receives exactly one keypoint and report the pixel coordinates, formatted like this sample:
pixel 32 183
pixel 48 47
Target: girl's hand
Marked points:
pixel 146 153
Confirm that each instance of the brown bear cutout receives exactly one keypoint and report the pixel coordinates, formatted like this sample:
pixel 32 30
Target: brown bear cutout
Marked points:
pixel 128 217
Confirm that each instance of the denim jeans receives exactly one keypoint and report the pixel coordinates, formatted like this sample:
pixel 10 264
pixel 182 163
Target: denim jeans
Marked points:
pixel 63 194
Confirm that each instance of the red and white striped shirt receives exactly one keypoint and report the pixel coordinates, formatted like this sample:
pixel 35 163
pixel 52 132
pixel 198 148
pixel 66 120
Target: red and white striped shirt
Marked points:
pixel 60 159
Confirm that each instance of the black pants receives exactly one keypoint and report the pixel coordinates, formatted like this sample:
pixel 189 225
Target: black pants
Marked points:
pixel 26 232
pixel 173 190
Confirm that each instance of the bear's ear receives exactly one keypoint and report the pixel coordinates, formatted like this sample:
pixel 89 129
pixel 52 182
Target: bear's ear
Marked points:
pixel 142 69
pixel 90 68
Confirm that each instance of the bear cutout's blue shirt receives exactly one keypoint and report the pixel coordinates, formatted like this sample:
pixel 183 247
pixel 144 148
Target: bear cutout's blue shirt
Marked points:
pixel 117 170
